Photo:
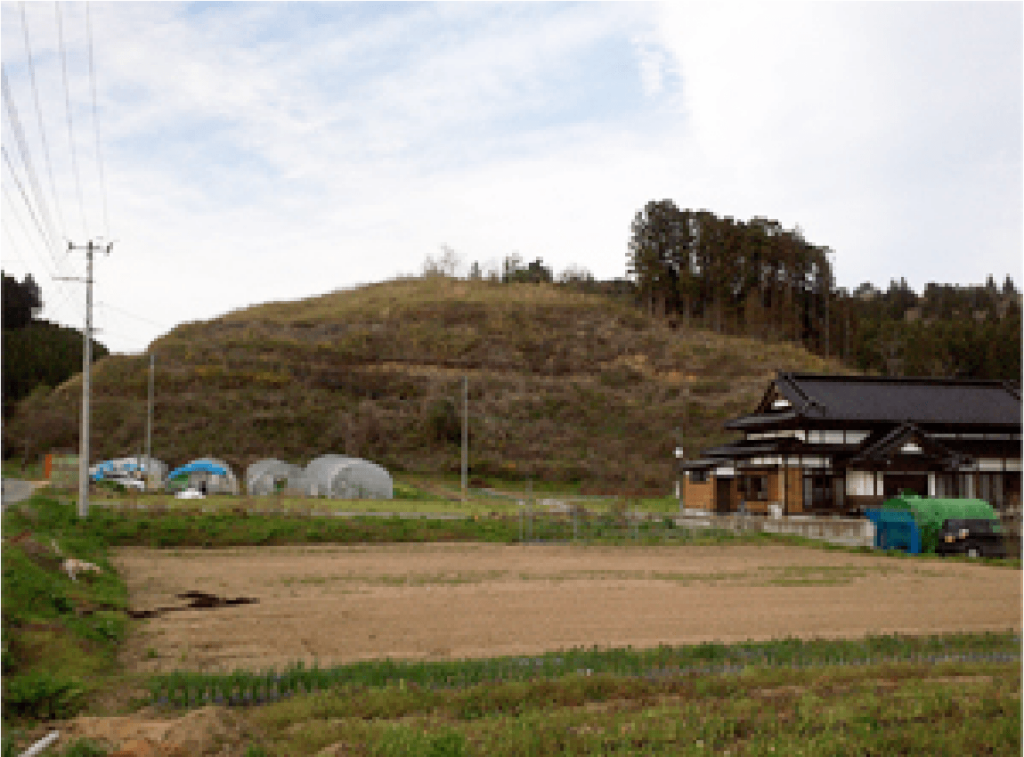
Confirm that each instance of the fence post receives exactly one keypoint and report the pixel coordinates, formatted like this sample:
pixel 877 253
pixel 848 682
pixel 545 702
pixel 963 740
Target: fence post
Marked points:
pixel 529 504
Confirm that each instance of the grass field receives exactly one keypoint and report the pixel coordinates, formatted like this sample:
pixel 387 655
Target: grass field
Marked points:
pixel 951 694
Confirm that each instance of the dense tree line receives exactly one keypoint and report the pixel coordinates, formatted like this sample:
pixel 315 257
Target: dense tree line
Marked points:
pixel 749 277
pixel 757 278
pixel 21 301
pixel 948 330
pixel 36 354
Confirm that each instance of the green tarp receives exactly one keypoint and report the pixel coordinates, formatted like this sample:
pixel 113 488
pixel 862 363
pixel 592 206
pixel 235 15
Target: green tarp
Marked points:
pixel 929 514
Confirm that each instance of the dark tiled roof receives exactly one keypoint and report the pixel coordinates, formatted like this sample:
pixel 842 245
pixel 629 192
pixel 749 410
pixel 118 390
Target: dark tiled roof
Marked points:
pixel 761 420
pixel 921 400
pixel 701 463
pixel 884 448
pixel 741 449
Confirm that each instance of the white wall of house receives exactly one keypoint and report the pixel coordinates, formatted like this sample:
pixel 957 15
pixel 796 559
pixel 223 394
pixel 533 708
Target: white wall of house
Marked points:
pixel 859 484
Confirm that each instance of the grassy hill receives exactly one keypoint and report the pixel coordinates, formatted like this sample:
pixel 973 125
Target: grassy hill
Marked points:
pixel 563 386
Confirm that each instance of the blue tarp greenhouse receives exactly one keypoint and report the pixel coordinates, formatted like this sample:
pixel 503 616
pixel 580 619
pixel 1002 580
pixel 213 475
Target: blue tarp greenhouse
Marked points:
pixel 123 466
pixel 210 473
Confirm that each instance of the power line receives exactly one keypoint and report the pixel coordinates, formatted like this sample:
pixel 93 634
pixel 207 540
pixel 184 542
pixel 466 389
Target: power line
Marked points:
pixel 26 159
pixel 134 315
pixel 61 290
pixel 39 118
pixel 96 124
pixel 14 249
pixel 67 101
pixel 24 196
pixel 28 205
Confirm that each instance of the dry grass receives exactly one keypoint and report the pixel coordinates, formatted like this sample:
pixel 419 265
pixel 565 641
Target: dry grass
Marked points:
pixel 563 386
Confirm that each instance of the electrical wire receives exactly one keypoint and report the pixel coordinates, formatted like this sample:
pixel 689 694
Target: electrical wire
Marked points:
pixel 71 133
pixel 24 196
pixel 26 159
pixel 122 311
pixel 63 296
pixel 13 248
pixel 96 124
pixel 39 118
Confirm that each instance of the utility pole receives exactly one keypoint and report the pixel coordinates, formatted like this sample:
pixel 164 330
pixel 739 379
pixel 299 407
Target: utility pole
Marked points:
pixel 83 451
pixel 828 285
pixel 149 426
pixel 465 433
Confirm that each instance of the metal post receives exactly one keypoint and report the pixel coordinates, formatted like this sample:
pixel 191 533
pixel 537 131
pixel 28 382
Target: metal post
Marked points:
pixel 827 287
pixel 149 424
pixel 465 432
pixel 529 505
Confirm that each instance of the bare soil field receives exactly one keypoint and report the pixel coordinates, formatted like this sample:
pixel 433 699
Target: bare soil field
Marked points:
pixel 335 604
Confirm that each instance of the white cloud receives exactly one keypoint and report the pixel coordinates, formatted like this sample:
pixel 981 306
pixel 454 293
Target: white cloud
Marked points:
pixel 267 151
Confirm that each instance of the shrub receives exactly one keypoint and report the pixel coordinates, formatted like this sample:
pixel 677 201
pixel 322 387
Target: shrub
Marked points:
pixel 42 696
pixel 442 421
pixel 84 748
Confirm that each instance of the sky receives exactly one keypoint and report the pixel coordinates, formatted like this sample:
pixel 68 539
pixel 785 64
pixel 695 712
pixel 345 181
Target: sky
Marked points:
pixel 240 153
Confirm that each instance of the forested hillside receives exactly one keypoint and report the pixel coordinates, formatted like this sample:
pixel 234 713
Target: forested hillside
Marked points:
pixel 35 353
pixel 756 278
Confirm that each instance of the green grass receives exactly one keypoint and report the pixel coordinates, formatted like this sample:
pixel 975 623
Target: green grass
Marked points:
pixel 227 521
pixel 662 663
pixel 31 471
pixel 911 708
pixel 59 637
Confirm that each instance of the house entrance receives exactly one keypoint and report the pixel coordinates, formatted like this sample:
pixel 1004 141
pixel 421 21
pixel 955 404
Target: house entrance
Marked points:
pixel 723 495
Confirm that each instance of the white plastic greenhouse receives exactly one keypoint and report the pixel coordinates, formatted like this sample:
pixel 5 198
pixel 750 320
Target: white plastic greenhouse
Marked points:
pixel 271 476
pixel 340 477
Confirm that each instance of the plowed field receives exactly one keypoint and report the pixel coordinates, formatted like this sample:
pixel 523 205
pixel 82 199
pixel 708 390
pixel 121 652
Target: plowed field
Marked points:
pixel 428 601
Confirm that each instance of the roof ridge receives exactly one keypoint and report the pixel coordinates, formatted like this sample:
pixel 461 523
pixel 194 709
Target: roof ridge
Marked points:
pixel 934 380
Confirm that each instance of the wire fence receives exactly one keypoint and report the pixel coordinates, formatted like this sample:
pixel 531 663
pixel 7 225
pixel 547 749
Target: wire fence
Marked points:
pixel 571 522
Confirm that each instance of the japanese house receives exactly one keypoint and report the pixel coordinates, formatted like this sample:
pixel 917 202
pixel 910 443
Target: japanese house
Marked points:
pixel 822 444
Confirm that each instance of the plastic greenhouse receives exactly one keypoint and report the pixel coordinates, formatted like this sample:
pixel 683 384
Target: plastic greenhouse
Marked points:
pixel 215 474
pixel 340 477
pixel 271 476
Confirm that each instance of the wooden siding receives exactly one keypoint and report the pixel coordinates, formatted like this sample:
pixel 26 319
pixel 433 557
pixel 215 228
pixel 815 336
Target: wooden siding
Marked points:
pixel 699 496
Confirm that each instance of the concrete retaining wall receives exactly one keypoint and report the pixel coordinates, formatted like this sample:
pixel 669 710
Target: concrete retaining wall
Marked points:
pixel 849 532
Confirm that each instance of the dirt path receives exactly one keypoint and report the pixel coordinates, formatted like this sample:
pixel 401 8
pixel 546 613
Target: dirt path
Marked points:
pixel 340 604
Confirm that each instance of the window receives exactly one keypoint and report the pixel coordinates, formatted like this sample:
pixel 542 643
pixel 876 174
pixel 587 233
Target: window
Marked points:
pixel 820 492
pixel 755 488
pixel 835 436
pixel 699 476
